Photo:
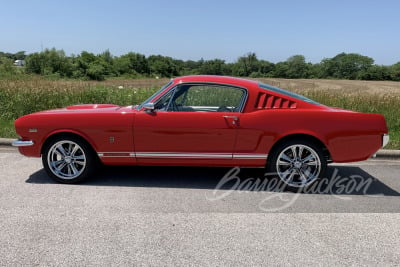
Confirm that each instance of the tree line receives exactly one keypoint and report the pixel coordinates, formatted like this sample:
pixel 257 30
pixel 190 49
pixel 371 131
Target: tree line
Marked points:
pixel 55 63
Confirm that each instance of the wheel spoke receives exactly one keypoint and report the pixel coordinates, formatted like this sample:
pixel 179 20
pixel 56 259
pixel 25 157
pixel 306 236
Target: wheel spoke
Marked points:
pixel 81 157
pixel 287 172
pixel 304 177
pixel 308 159
pixel 74 169
pixel 283 163
pixel 56 164
pixel 291 176
pixel 69 148
pixel 301 148
pixel 69 169
pixel 61 166
pixel 294 152
pixel 313 163
pixel 61 150
pixel 74 150
pixel 82 163
pixel 286 157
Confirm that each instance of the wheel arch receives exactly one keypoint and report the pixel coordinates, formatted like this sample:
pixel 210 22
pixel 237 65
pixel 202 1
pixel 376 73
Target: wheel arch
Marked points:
pixel 306 137
pixel 66 133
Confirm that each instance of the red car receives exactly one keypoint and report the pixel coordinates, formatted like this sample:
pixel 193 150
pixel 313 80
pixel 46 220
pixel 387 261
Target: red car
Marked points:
pixel 203 121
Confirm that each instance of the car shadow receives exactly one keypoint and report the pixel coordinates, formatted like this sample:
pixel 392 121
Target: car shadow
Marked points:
pixel 339 180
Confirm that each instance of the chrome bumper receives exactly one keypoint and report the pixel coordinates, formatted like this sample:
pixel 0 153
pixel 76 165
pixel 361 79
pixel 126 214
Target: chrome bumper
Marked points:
pixel 19 143
pixel 385 140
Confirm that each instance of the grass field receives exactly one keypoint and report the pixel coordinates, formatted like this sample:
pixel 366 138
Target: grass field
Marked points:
pixel 27 95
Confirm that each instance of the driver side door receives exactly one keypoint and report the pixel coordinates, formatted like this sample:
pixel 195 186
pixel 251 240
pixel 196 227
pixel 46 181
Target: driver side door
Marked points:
pixel 191 122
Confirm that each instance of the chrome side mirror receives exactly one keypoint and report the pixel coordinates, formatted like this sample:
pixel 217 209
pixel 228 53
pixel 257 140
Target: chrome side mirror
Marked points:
pixel 149 107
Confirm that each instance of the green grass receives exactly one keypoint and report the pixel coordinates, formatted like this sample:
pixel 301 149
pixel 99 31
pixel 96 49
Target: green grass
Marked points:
pixel 17 103
pixel 23 96
pixel 7 128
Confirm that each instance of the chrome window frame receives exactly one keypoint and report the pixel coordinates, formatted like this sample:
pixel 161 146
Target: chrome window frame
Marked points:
pixel 242 103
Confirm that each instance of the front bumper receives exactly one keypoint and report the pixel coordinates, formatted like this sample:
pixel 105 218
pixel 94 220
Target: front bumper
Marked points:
pixel 21 143
pixel 385 140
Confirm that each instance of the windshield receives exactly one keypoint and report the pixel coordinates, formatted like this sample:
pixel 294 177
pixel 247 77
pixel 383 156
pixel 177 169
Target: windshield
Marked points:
pixel 284 92
pixel 153 95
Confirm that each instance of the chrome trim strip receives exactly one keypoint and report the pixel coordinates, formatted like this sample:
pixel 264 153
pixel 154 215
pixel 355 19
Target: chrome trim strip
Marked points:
pixel 385 140
pixel 183 155
pixel 116 154
pixel 249 156
pixel 20 143
pixel 178 155
pixel 116 157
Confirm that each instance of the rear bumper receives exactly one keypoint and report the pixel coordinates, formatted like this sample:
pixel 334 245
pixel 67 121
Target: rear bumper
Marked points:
pixel 22 143
pixel 385 140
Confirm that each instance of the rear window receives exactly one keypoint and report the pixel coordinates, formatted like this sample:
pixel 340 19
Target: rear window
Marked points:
pixel 287 93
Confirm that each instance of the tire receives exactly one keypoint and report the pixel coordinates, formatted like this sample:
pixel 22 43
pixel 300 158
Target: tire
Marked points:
pixel 297 163
pixel 68 159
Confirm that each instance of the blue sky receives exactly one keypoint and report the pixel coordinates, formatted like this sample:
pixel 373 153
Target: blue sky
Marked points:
pixel 274 30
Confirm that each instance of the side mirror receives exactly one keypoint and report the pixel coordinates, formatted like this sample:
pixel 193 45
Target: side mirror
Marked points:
pixel 149 107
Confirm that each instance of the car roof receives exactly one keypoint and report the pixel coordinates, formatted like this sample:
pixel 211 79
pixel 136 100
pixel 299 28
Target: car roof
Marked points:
pixel 216 79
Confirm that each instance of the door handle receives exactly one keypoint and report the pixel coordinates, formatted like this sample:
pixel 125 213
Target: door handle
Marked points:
pixel 234 119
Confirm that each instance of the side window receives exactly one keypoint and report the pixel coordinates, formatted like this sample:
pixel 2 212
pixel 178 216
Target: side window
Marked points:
pixel 163 102
pixel 207 98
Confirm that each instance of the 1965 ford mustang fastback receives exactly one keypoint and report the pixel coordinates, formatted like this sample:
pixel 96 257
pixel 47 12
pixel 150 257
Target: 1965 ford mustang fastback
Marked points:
pixel 203 121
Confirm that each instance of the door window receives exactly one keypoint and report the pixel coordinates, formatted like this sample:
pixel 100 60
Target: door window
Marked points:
pixel 206 98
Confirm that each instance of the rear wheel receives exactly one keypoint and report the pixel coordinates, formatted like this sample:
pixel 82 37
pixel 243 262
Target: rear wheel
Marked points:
pixel 68 159
pixel 297 163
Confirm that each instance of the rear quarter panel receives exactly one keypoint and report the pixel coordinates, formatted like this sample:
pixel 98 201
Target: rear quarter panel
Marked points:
pixel 349 136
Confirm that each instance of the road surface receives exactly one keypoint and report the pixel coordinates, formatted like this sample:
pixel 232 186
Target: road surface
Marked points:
pixel 197 216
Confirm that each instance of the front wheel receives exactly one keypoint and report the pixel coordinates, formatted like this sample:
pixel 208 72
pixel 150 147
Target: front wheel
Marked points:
pixel 68 159
pixel 297 163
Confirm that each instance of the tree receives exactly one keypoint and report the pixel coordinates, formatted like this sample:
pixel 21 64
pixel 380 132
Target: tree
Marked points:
pixel 297 67
pixel 212 67
pixel 19 55
pixel 280 70
pixel 87 65
pixel 395 72
pixel 346 66
pixel 133 64
pixel 245 65
pixel 162 66
pixel 50 61
pixel 6 65
pixel 108 62
pixel 376 73
pixel 191 67
pixel 265 68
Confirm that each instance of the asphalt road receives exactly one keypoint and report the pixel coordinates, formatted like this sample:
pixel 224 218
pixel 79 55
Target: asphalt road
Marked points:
pixel 176 216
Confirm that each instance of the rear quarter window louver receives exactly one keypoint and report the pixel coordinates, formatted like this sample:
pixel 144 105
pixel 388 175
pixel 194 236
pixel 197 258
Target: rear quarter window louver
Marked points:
pixel 268 101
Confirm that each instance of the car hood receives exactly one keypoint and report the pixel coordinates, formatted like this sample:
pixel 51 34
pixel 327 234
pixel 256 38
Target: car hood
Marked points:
pixel 91 106
pixel 86 108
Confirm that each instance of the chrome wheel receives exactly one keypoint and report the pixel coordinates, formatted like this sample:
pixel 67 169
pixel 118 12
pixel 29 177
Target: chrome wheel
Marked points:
pixel 298 165
pixel 66 159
